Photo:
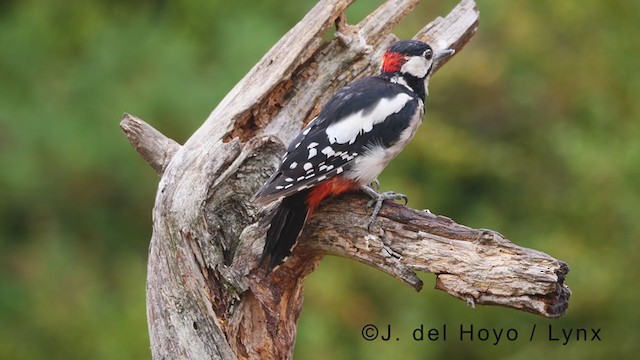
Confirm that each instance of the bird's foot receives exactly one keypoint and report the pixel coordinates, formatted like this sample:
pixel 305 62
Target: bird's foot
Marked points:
pixel 378 198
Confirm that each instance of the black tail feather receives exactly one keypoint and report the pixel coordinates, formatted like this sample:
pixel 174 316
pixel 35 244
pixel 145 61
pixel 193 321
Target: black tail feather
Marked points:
pixel 286 226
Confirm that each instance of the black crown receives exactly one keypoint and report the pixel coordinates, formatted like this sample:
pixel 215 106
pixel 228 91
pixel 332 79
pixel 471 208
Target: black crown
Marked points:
pixel 409 47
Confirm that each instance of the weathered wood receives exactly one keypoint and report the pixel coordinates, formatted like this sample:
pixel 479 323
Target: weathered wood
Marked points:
pixel 155 148
pixel 479 266
pixel 205 296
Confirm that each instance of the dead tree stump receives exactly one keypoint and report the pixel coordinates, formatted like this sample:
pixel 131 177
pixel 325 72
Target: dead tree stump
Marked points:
pixel 205 297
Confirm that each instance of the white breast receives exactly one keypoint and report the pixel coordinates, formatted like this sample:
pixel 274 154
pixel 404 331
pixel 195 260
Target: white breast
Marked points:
pixel 370 164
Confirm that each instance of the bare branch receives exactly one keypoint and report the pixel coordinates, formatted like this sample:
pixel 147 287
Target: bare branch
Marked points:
pixel 479 266
pixel 155 148
pixel 249 105
pixel 380 22
pixel 453 31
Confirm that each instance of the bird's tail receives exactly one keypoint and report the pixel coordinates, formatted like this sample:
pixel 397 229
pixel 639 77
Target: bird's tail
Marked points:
pixel 286 226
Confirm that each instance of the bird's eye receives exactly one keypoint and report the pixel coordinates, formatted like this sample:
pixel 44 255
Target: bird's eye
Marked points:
pixel 428 54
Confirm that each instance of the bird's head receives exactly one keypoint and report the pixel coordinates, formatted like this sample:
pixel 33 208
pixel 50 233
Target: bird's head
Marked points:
pixel 412 57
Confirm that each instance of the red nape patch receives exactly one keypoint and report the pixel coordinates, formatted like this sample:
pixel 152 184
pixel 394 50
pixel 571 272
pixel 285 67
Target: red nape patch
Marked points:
pixel 332 187
pixel 392 61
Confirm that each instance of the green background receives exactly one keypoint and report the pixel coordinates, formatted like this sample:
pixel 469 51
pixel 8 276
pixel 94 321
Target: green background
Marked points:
pixel 532 130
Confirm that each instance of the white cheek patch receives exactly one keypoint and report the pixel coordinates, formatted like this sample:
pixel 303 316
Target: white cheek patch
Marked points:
pixel 348 129
pixel 416 66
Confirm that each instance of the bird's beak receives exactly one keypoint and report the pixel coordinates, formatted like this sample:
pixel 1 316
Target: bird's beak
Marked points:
pixel 440 55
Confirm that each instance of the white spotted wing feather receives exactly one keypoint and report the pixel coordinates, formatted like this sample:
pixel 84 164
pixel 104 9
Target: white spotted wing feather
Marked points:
pixel 364 119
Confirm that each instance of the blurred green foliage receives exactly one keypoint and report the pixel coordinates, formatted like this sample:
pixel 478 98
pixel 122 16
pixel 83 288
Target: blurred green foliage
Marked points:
pixel 531 130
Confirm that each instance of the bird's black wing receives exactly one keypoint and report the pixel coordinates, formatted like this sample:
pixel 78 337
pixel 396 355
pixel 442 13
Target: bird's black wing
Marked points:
pixel 366 112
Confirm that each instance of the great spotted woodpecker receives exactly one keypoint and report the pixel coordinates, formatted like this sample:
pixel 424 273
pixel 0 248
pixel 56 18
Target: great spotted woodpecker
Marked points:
pixel 359 131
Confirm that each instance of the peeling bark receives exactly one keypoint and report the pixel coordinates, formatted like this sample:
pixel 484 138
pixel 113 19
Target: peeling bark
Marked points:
pixel 205 296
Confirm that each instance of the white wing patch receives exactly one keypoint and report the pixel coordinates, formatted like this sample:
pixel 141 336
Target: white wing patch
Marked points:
pixel 348 129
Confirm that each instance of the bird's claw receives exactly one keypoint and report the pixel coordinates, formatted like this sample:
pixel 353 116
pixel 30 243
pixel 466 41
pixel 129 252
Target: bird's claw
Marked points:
pixel 390 195
pixel 369 225
pixel 402 197
pixel 377 199
pixel 375 184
